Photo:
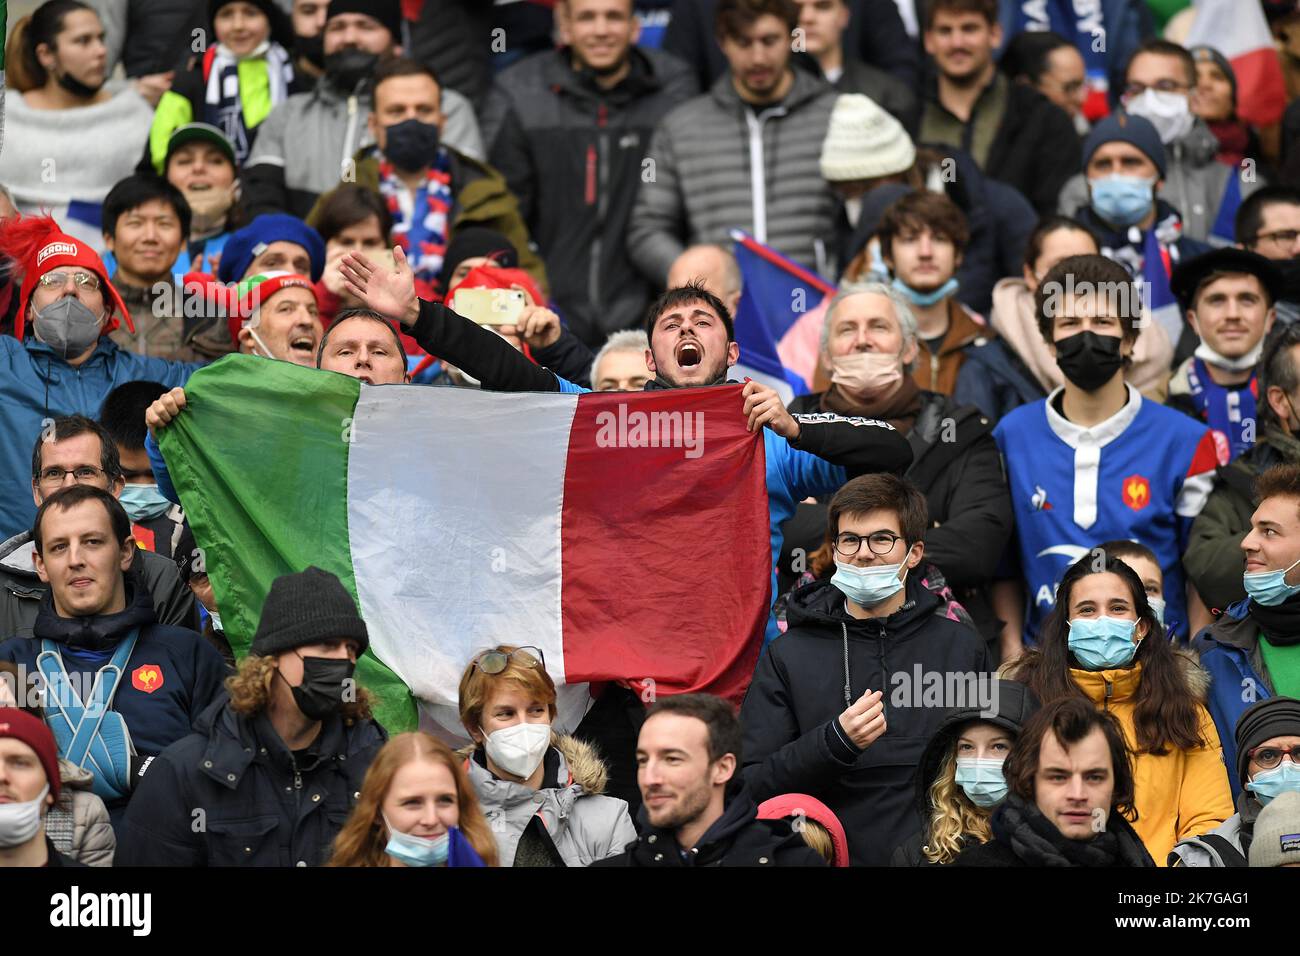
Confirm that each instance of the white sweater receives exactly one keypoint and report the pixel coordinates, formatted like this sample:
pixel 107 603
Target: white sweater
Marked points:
pixel 53 157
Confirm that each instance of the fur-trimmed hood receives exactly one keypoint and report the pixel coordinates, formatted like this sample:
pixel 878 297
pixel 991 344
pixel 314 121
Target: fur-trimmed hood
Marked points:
pixel 585 767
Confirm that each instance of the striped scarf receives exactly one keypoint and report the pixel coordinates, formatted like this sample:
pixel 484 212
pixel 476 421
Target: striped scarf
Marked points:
pixel 233 110
pixel 421 221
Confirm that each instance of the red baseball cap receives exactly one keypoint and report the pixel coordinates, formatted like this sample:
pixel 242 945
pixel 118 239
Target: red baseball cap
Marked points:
pixel 23 726
pixel 37 246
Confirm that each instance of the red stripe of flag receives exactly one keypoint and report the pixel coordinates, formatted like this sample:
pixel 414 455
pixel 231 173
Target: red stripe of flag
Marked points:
pixel 665 557
pixel 781 262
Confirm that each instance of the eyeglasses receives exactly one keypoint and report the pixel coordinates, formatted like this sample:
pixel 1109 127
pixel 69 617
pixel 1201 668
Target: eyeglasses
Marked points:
pixel 81 474
pixel 1270 757
pixel 879 542
pixel 495 661
pixel 58 280
pixel 1281 237
pixel 1162 86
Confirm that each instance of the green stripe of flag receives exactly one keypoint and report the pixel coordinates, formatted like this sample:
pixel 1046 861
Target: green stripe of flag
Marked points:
pixel 258 435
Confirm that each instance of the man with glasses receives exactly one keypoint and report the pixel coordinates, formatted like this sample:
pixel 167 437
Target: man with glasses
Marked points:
pixel 1267 748
pixel 1213 557
pixel 1158 86
pixel 837 707
pixel 77 451
pixel 60 360
pixel 1268 223
pixel 118 686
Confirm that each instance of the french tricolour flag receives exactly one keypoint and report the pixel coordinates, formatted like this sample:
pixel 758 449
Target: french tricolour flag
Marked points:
pixel 777 295
pixel 624 534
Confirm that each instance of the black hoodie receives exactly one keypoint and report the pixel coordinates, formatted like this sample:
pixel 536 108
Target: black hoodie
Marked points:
pixel 1014 706
pixel 793 741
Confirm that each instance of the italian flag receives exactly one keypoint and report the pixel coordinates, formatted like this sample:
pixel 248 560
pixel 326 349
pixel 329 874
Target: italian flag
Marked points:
pixel 624 534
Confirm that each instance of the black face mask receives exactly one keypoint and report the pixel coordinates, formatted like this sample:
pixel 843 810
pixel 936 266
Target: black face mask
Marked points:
pixel 76 87
pixel 411 144
pixel 324 679
pixel 311 49
pixel 1089 360
pixel 347 68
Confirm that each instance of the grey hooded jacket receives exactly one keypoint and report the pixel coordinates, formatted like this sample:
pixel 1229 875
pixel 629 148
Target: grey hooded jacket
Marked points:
pixel 715 165
pixel 583 823
pixel 306 145
pixel 1194 183
pixel 1237 830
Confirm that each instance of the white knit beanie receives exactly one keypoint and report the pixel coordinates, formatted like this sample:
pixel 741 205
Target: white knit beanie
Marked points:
pixel 863 141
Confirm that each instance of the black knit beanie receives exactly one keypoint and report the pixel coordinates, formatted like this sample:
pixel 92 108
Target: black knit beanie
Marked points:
pixel 472 243
pixel 310 607
pixel 1275 717
pixel 387 12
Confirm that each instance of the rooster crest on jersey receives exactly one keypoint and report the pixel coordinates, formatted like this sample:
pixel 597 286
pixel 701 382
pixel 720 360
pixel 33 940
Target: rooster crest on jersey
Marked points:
pixel 1137 492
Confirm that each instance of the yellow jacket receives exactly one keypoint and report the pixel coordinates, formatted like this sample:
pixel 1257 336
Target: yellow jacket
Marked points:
pixel 1180 794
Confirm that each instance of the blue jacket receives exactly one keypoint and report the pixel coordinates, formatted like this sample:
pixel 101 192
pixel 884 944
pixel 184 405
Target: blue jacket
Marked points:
pixel 995 380
pixel 36 384
pixel 1226 648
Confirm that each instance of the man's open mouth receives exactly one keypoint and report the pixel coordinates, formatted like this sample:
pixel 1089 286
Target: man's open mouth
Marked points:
pixel 689 354
pixel 303 344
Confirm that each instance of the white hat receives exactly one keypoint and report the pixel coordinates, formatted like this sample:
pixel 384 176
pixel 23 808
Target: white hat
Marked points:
pixel 863 141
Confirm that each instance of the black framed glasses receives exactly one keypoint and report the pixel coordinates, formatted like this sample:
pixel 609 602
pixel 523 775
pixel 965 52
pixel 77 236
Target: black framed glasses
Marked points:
pixel 81 474
pixel 57 280
pixel 495 661
pixel 1270 757
pixel 1281 237
pixel 878 542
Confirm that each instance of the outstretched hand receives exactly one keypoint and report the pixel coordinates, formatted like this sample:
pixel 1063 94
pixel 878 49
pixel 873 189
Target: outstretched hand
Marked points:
pixel 389 292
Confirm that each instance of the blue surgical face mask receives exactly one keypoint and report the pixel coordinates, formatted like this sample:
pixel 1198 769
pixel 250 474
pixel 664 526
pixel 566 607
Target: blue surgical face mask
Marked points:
pixel 1269 588
pixel 417 851
pixel 867 587
pixel 1158 609
pixel 1122 200
pixel 982 780
pixel 143 502
pixel 1268 784
pixel 1099 643
pixel 923 300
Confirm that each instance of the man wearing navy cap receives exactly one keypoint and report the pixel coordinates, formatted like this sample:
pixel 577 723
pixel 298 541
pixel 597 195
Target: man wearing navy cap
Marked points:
pixel 1227 296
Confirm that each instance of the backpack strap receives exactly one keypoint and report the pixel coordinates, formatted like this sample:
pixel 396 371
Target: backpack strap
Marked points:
pixel 1229 855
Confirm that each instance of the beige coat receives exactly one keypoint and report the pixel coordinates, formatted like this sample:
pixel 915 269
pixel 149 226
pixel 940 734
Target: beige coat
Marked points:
pixel 78 824
pixel 1014 319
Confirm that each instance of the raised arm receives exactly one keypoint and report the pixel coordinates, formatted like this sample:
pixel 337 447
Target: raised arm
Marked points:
pixel 440 331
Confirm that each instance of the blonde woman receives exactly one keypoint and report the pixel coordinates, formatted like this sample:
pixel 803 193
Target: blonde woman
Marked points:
pixel 543 793
pixel 959 778
pixel 417 808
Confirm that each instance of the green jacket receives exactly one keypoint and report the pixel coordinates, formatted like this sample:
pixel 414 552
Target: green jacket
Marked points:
pixel 480 197
pixel 1213 560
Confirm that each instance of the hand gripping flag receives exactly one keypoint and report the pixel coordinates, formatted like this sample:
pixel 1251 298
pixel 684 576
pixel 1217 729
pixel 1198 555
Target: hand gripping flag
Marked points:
pixel 626 535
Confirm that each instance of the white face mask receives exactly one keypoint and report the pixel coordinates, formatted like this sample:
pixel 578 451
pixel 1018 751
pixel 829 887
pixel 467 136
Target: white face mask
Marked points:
pixel 1169 113
pixel 519 749
pixel 1241 364
pixel 19 822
